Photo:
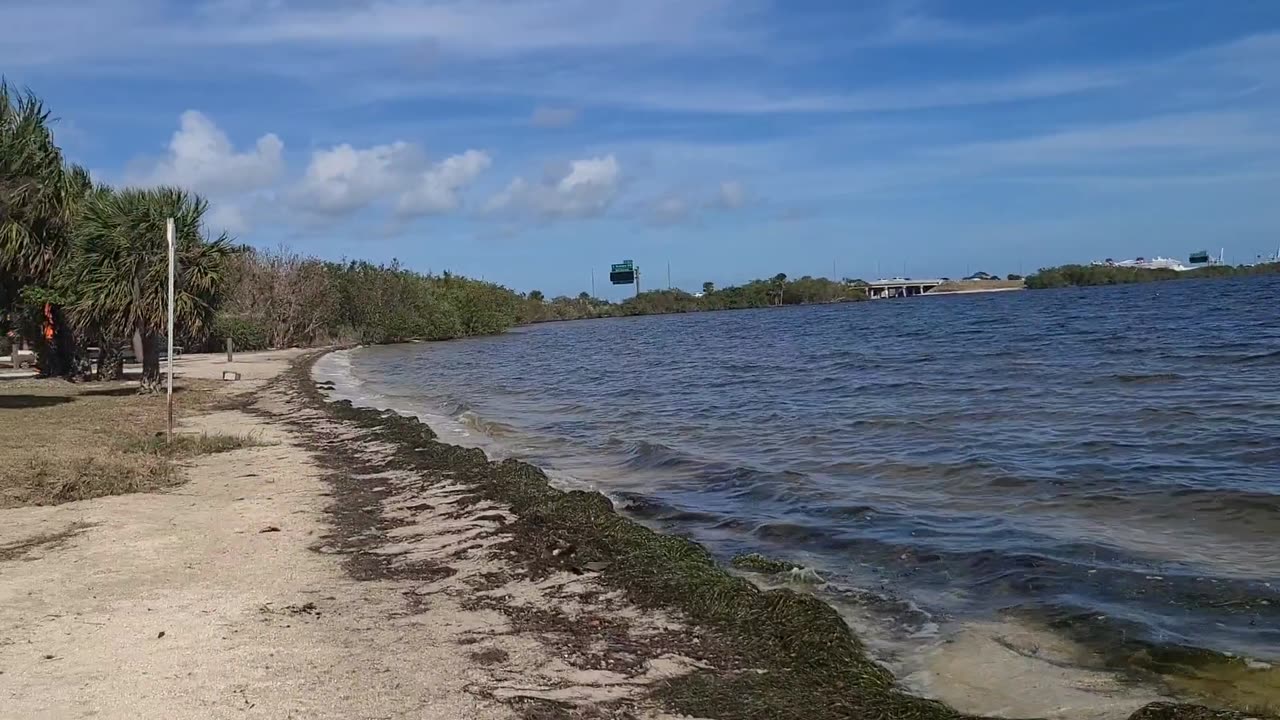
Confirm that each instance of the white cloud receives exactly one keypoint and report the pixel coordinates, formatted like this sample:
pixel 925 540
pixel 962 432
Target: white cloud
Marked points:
pixel 344 179
pixel 484 28
pixel 588 188
pixel 436 190
pixel 226 217
pixel 678 207
pixel 732 195
pixel 1198 135
pixel 201 157
pixel 910 24
pixel 491 27
pixel 553 117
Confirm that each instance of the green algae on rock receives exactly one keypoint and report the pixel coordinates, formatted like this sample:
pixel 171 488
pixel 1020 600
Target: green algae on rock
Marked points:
pixel 755 562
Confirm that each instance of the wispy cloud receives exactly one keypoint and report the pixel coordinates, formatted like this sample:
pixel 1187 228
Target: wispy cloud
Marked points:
pixel 914 24
pixel 546 116
pixel 482 28
pixel 1199 133
pixel 492 27
pixel 676 96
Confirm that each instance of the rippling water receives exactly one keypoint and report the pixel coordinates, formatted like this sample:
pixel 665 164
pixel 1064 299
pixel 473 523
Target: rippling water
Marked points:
pixel 1097 453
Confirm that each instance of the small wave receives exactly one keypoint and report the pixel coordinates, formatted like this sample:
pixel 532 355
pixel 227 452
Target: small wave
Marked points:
pixel 789 533
pixel 644 455
pixel 1147 378
pixel 492 428
pixel 652 508
pixel 1265 358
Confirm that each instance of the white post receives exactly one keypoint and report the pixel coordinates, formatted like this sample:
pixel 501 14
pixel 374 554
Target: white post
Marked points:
pixel 169 237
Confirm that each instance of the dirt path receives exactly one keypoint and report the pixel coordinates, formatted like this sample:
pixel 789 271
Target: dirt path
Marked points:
pixel 236 595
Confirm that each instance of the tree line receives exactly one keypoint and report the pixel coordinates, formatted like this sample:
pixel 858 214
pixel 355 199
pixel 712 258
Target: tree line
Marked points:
pixel 1087 275
pixel 281 299
pixel 770 292
pixel 84 273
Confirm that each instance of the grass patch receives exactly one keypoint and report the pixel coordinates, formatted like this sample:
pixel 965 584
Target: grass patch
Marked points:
pixel 65 442
pixel 56 480
pixel 187 445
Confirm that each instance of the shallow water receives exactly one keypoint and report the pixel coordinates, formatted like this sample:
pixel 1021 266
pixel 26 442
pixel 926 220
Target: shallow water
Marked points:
pixel 1100 455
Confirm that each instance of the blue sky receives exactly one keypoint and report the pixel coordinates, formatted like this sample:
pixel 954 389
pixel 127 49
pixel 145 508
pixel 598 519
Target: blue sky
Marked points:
pixel 531 141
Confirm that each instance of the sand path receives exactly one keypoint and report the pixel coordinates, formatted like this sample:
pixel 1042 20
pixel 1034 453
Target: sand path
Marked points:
pixel 221 599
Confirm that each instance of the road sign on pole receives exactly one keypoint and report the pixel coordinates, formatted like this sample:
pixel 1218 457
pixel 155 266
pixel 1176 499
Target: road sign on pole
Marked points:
pixel 623 273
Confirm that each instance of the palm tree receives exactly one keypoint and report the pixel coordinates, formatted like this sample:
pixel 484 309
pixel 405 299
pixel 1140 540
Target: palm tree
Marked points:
pixel 780 285
pixel 118 268
pixel 39 197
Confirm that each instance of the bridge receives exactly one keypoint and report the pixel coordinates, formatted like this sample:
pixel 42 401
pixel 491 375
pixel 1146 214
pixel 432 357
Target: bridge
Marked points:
pixel 900 287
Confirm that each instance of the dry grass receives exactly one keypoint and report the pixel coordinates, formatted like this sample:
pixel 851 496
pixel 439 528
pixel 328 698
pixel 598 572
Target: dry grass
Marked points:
pixel 185 445
pixel 64 442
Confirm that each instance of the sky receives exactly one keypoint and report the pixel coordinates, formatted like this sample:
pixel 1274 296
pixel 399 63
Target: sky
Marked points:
pixel 534 142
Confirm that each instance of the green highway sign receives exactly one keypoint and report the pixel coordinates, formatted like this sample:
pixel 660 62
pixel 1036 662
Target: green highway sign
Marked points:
pixel 625 273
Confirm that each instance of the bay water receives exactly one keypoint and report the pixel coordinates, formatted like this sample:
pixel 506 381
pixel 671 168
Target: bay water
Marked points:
pixel 1101 462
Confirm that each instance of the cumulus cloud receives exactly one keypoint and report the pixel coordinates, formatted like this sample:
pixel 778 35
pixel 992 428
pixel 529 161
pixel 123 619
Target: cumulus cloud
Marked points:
pixel 553 117
pixel 345 179
pixel 201 157
pixel 436 190
pixel 587 188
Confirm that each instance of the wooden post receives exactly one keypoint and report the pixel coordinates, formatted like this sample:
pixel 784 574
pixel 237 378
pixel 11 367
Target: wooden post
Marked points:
pixel 169 237
pixel 229 349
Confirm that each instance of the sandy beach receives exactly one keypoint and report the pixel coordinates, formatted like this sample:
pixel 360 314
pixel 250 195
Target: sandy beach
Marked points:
pixel 234 596
pixel 346 565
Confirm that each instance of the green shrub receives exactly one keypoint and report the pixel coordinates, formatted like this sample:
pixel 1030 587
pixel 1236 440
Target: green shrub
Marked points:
pixel 244 334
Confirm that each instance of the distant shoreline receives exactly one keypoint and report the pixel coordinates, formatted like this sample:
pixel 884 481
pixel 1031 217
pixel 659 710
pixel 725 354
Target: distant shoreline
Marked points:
pixel 1091 275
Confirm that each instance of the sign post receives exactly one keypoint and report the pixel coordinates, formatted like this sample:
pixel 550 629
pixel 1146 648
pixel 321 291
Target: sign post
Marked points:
pixel 625 273
pixel 171 241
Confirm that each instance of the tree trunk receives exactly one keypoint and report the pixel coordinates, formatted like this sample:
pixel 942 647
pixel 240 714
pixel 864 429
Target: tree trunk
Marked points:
pixel 150 362
pixel 58 356
pixel 110 361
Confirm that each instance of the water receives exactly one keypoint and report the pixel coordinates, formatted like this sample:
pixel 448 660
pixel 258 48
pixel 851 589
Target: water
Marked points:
pixel 1085 454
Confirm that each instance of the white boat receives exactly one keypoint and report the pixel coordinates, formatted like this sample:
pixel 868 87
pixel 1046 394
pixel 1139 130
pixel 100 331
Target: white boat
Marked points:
pixel 1198 260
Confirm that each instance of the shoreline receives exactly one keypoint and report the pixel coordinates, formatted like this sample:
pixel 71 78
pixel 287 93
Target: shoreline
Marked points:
pixel 805 630
pixel 350 564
